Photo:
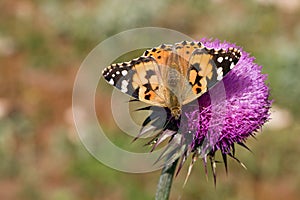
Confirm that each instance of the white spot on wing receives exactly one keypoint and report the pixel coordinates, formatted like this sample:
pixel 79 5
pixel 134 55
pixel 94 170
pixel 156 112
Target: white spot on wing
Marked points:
pixel 124 72
pixel 124 86
pixel 232 65
pixel 111 81
pixel 220 59
pixel 220 73
pixel 219 70
pixel 220 77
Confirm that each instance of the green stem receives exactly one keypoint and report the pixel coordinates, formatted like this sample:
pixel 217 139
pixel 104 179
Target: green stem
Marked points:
pixel 165 181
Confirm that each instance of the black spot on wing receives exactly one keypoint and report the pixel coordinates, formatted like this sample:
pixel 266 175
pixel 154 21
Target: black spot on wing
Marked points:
pixel 198 90
pixel 196 66
pixel 146 53
pixel 134 93
pixel 147 97
pixel 148 87
pixel 149 73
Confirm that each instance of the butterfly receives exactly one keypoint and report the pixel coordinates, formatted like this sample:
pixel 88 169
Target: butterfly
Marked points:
pixel 172 75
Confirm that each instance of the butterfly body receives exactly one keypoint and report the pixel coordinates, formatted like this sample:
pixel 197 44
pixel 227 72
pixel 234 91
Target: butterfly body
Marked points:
pixel 172 75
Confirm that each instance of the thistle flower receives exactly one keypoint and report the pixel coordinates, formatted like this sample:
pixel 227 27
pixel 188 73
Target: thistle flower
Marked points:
pixel 215 122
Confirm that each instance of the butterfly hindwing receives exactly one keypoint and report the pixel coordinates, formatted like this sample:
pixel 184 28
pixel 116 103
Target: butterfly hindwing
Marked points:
pixel 160 53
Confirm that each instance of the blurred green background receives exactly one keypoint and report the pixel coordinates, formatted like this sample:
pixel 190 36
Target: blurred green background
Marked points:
pixel 42 44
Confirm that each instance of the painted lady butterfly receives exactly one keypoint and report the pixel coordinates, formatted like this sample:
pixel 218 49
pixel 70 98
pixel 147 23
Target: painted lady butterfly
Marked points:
pixel 172 75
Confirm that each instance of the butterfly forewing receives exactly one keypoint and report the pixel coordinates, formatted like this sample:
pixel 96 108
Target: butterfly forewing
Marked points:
pixel 206 68
pixel 139 78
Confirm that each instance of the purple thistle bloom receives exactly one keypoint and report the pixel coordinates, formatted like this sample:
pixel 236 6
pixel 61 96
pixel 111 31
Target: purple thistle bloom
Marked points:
pixel 228 114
